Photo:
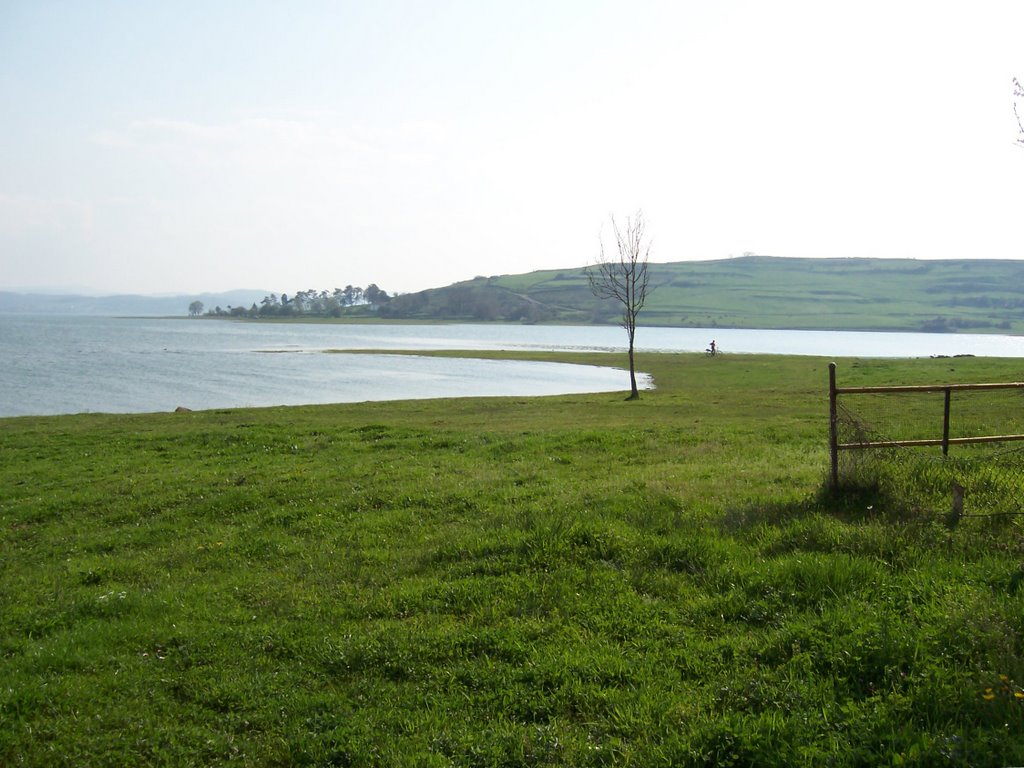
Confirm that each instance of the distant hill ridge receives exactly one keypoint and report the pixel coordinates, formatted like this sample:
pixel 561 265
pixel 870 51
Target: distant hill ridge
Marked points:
pixel 971 295
pixel 124 304
pixel 756 292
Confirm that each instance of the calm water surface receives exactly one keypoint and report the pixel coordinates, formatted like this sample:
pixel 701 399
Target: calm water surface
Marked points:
pixel 56 365
pixel 53 365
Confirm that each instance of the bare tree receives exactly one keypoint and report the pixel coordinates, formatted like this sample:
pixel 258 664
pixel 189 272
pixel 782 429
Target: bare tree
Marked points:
pixel 624 279
pixel 1018 92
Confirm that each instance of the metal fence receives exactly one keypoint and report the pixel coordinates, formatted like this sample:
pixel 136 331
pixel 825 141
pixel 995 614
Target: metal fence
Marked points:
pixel 901 436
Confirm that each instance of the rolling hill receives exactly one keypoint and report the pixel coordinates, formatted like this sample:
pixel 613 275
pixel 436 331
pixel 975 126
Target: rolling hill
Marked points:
pixel 967 295
pixel 980 296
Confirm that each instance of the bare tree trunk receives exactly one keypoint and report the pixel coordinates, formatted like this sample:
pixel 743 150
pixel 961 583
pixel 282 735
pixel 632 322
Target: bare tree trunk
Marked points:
pixel 634 393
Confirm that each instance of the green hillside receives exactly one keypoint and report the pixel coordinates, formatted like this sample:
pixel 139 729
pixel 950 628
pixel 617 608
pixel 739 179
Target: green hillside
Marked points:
pixel 980 296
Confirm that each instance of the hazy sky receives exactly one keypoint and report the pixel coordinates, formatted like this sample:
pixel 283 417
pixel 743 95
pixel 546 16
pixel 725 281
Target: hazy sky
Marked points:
pixel 164 147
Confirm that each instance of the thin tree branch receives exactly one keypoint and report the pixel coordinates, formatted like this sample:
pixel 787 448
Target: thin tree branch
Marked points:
pixel 1018 92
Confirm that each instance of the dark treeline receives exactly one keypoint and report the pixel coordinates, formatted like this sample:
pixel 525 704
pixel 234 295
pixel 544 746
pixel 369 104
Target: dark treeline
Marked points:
pixel 311 303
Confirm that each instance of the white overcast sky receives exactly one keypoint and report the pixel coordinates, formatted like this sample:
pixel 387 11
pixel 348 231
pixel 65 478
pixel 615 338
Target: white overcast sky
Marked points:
pixel 165 147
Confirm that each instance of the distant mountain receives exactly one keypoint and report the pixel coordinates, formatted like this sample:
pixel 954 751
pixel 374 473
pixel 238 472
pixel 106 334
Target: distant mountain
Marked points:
pixel 124 305
pixel 755 292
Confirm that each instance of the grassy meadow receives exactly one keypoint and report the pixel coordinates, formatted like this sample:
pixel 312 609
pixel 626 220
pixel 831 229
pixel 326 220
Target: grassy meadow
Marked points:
pixel 573 580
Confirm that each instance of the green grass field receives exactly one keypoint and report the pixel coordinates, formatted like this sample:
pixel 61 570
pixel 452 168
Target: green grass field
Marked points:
pixel 575 580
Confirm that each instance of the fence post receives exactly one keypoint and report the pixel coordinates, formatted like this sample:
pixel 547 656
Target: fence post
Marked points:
pixel 833 425
pixel 945 425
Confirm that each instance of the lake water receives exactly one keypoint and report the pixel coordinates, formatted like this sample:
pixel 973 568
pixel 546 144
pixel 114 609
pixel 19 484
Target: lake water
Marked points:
pixel 54 365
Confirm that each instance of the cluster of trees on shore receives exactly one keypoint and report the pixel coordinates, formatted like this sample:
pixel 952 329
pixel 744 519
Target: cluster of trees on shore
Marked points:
pixel 311 303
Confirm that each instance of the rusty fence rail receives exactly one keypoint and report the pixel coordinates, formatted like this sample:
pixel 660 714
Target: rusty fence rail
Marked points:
pixel 835 392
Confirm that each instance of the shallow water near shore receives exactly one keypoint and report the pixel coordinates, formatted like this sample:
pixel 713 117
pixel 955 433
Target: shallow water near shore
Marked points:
pixel 61 364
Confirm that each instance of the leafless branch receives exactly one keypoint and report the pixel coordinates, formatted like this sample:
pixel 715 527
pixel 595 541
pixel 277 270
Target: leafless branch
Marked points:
pixel 624 278
pixel 1018 93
